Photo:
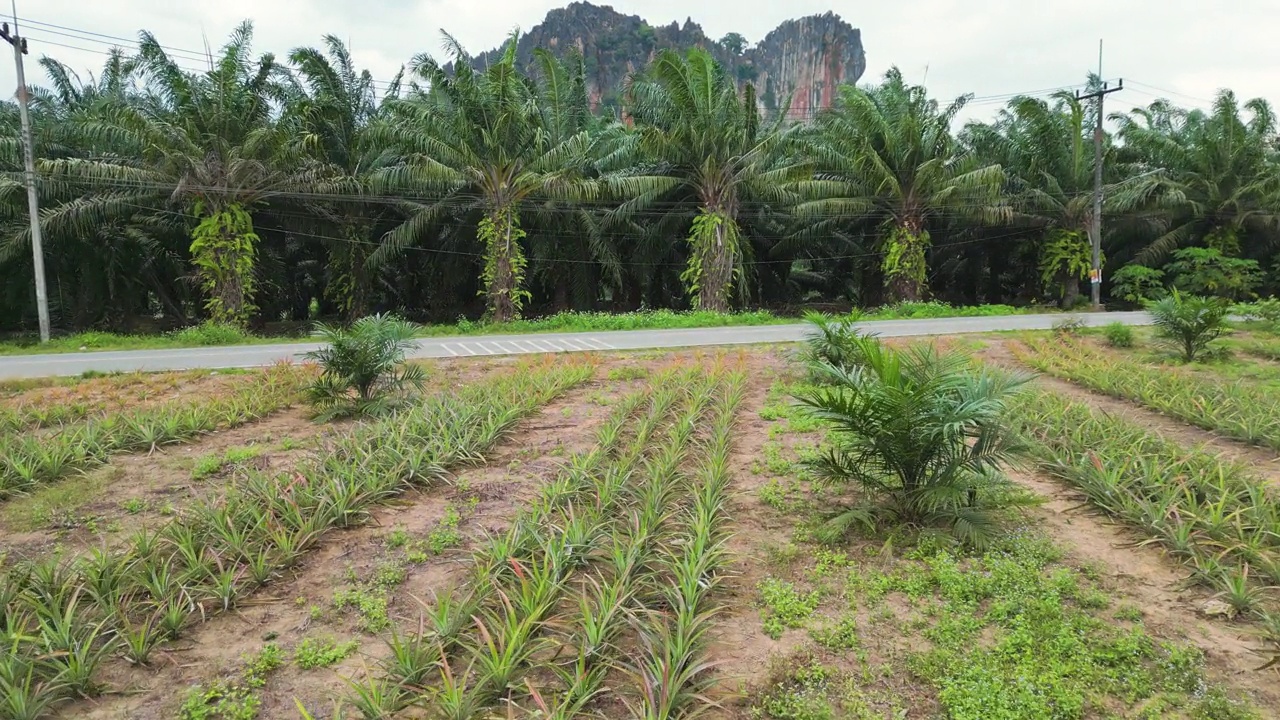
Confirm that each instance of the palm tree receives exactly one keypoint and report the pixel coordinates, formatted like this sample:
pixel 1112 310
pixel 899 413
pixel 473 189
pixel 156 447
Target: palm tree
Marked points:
pixel 1208 178
pixel 698 143
pixel 1046 149
pixel 886 153
pixel 923 436
pixel 480 139
pixel 570 251
pixel 200 144
pixel 335 108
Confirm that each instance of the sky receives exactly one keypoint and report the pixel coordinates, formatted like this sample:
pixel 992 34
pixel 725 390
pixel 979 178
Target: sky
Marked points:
pixel 1179 49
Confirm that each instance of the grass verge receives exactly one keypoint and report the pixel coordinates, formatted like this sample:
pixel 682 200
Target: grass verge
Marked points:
pixel 560 322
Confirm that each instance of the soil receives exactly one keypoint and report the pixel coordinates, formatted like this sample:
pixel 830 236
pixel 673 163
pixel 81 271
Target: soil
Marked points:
pixel 738 640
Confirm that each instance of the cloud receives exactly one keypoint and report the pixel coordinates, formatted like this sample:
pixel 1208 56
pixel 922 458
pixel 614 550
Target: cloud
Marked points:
pixel 988 47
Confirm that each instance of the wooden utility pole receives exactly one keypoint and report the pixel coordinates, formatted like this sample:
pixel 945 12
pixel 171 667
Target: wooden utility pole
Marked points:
pixel 1095 229
pixel 29 156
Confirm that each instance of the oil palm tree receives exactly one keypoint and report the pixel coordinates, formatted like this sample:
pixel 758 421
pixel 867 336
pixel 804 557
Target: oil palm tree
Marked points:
pixel 478 141
pixel 699 144
pixel 198 144
pixel 921 435
pixel 1046 149
pixel 1209 178
pixel 886 153
pixel 335 108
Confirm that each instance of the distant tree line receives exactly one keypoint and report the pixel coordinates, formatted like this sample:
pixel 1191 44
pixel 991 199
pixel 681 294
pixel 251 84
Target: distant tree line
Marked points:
pixel 261 190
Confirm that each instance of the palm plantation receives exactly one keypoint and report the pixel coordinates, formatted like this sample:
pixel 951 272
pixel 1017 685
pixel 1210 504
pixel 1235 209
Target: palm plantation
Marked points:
pixel 256 190
pixel 1204 178
pixel 205 146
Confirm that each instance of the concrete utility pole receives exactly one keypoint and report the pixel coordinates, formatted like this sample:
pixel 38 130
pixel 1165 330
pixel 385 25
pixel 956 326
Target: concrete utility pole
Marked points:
pixel 29 156
pixel 1095 230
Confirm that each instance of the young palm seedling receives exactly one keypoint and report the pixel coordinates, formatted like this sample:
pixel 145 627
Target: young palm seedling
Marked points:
pixel 922 435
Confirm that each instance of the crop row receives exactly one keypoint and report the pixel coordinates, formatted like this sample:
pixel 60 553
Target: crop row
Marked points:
pixel 62 620
pixel 1239 409
pixel 35 457
pixel 1214 515
pixel 62 405
pixel 597 595
pixel 1267 348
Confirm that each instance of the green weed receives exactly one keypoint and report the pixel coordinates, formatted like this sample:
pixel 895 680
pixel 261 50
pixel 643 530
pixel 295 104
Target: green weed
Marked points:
pixel 314 652
pixel 785 606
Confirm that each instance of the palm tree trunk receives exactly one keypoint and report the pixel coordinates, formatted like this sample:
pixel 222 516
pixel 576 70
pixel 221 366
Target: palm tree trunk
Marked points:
pixel 716 253
pixel 223 249
pixel 504 265
pixel 904 261
pixel 1070 290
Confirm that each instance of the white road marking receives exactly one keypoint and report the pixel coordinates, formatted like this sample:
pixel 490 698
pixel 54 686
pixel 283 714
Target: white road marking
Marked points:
pixel 448 349
pixel 597 344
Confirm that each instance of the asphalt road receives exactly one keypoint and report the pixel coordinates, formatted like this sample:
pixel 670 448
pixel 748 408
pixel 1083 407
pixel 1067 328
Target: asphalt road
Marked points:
pixel 241 356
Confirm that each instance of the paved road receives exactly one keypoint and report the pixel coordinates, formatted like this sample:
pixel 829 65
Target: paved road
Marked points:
pixel 241 356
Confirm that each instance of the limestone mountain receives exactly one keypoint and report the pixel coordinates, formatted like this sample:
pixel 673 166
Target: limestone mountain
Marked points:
pixel 799 64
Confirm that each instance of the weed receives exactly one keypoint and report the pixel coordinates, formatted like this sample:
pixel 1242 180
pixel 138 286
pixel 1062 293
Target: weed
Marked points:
pixel 843 635
pixel 785 606
pixel 315 652
pixel 133 506
pixel 445 534
pixel 398 538
pixel 1070 325
pixel 233 699
pixel 1118 335
pixel 627 372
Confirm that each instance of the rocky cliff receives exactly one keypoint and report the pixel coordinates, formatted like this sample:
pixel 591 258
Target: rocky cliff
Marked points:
pixel 798 65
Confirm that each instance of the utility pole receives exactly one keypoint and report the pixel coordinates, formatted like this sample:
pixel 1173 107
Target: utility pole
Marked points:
pixel 1095 229
pixel 29 156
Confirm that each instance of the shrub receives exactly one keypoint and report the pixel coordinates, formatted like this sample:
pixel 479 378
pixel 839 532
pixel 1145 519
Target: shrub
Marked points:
pixel 211 333
pixel 921 435
pixel 1206 271
pixel 1118 335
pixel 1263 311
pixel 1138 284
pixel 1189 323
pixel 363 367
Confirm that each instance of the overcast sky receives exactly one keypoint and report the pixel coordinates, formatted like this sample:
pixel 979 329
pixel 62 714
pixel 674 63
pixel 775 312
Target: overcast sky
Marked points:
pixel 1177 48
